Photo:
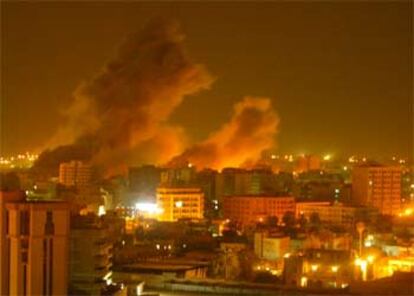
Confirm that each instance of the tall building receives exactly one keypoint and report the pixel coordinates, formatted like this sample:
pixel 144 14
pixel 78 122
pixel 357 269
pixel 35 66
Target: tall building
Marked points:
pixel 206 180
pixel 90 256
pixel 36 248
pixel 5 197
pixel 319 185
pixel 180 203
pixel 377 186
pixel 251 209
pixel 75 173
pixel 178 176
pixel 235 181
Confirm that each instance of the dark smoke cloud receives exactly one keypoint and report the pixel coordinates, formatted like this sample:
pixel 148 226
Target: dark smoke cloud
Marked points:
pixel 250 131
pixel 124 109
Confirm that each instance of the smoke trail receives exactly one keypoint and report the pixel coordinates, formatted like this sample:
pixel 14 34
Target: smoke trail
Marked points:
pixel 128 103
pixel 250 131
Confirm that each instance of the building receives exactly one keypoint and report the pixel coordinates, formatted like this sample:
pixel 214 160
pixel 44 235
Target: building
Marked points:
pixel 270 247
pixel 206 180
pixel 75 174
pixel 377 186
pixel 36 245
pixel 90 256
pixel 157 273
pixel 319 185
pixel 318 268
pixel 235 181
pixel 178 176
pixel 306 163
pixel 5 197
pixel 250 209
pixel 334 213
pixel 232 252
pixel 180 203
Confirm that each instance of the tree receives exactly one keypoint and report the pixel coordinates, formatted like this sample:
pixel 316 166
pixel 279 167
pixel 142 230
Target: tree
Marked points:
pixel 289 219
pixel 315 222
pixel 272 221
pixel 302 221
pixel 314 219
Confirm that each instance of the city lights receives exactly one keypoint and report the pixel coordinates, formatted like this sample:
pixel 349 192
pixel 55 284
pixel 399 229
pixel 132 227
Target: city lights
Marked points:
pixel 369 241
pixel 204 148
pixel 148 208
pixel 327 157
pixel 101 210
pixel 406 213
pixel 363 265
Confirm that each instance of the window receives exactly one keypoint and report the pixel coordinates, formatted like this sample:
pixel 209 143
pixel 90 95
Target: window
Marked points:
pixel 44 266
pixel 24 244
pixel 50 266
pixel 24 257
pixel 49 226
pixel 7 223
pixel 24 279
pixel 24 223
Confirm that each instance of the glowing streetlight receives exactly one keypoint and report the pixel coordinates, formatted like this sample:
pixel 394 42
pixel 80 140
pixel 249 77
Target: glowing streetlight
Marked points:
pixel 360 226
pixel 314 267
pixel 363 266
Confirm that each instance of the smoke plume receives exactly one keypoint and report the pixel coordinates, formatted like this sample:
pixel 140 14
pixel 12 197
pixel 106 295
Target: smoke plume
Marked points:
pixel 250 131
pixel 124 109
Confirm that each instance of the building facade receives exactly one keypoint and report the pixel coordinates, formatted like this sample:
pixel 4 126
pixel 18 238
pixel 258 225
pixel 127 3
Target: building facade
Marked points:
pixel 377 186
pixel 75 173
pixel 270 247
pixel 180 203
pixel 250 209
pixel 334 213
pixel 90 256
pixel 5 197
pixel 37 248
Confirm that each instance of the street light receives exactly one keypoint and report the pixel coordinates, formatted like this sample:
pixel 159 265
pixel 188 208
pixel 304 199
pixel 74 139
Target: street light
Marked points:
pixel 360 226
pixel 363 266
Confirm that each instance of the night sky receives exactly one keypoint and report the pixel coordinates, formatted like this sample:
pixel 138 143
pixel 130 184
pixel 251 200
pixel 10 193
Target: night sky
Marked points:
pixel 339 74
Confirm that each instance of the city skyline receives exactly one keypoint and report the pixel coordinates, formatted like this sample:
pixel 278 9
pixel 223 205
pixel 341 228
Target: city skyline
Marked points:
pixel 207 148
pixel 349 92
